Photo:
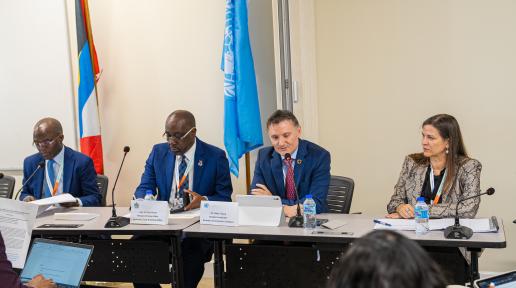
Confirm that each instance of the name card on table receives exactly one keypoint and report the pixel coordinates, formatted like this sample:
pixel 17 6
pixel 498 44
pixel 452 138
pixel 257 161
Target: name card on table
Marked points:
pixel 149 212
pixel 219 213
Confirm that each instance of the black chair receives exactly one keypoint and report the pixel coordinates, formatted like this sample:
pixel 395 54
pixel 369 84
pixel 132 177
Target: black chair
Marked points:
pixel 340 194
pixel 102 182
pixel 7 186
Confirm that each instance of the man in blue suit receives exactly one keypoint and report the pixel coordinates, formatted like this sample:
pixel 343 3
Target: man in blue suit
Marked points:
pixel 185 169
pixel 61 169
pixel 308 171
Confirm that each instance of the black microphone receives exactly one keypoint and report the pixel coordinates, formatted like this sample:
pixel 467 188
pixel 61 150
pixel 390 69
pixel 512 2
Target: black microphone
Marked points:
pixel 1 175
pixel 295 221
pixel 40 165
pixel 116 221
pixel 458 231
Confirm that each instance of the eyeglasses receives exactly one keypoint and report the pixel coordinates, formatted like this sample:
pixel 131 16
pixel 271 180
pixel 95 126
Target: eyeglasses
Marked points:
pixel 45 142
pixel 175 136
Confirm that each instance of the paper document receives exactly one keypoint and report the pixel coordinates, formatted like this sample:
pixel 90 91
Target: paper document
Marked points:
pixel 46 203
pixel 16 223
pixel 477 225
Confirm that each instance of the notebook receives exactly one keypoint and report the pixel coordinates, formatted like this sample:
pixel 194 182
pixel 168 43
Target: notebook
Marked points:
pixel 63 262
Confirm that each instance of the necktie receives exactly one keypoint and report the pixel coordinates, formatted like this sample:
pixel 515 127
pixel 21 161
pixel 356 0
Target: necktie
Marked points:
pixel 181 171
pixel 290 185
pixel 51 176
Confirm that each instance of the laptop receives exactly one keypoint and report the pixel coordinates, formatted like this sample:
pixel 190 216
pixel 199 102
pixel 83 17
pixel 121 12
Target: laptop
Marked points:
pixel 63 262
pixel 504 280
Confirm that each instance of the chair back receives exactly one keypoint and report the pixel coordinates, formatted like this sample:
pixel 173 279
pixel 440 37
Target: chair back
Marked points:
pixel 340 194
pixel 7 186
pixel 102 182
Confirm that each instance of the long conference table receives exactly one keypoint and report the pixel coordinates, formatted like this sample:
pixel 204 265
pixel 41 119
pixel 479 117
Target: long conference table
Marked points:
pixel 294 249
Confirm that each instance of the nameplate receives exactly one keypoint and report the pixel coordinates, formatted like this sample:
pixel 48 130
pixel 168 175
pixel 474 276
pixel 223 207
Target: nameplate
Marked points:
pixel 149 212
pixel 219 213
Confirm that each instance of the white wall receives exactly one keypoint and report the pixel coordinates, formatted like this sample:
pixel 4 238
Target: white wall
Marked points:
pixel 385 66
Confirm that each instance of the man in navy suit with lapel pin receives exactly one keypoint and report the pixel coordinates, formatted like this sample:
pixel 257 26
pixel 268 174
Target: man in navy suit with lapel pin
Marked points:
pixel 185 169
pixel 308 170
pixel 65 170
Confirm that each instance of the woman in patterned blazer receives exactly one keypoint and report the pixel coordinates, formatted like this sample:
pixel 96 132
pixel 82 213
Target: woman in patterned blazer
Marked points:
pixel 443 174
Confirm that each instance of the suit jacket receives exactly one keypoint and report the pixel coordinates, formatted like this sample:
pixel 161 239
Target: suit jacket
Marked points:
pixel 311 173
pixel 465 184
pixel 211 173
pixel 8 277
pixel 79 177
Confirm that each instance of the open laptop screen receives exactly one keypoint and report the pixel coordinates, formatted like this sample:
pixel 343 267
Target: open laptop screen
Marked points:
pixel 505 280
pixel 63 262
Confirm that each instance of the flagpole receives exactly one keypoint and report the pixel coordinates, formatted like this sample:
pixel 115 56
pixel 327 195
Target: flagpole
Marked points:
pixel 247 173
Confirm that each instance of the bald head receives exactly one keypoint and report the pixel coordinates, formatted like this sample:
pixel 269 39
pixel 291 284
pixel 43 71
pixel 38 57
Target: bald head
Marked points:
pixel 48 137
pixel 184 116
pixel 50 124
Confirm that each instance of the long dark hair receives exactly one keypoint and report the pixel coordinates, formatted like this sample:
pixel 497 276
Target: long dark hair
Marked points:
pixel 385 259
pixel 449 129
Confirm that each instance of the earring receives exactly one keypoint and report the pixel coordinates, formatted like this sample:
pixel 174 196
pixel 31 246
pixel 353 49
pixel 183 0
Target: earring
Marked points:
pixel 447 151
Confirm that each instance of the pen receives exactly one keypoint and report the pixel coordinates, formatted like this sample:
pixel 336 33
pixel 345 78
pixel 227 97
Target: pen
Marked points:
pixel 381 222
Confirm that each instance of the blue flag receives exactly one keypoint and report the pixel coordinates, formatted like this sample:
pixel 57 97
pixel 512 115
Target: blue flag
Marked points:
pixel 242 124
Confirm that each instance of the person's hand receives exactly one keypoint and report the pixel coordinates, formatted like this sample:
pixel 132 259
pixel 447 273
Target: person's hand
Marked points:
pixel 29 199
pixel 70 204
pixel 394 215
pixel 261 190
pixel 291 211
pixel 196 200
pixel 405 211
pixel 40 282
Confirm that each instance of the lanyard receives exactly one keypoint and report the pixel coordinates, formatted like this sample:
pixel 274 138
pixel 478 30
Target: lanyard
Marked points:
pixel 187 171
pixel 440 189
pixel 53 190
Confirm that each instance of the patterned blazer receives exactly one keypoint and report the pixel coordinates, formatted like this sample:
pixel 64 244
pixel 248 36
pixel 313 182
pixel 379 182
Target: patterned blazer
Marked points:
pixel 466 184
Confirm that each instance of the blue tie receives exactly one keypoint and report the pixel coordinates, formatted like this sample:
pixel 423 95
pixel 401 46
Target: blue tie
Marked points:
pixel 51 176
pixel 182 170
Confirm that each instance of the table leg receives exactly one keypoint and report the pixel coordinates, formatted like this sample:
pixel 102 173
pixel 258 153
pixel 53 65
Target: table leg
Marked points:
pixel 177 265
pixel 473 272
pixel 218 264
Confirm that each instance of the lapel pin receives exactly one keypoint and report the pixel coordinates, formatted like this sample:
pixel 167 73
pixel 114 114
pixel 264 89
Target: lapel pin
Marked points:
pixel 299 161
pixel 199 163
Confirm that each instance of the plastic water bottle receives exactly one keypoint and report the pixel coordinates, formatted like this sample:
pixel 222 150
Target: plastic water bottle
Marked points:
pixel 149 195
pixel 309 212
pixel 421 216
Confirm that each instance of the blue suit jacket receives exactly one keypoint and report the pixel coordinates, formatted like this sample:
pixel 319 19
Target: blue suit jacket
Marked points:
pixel 79 177
pixel 211 173
pixel 311 173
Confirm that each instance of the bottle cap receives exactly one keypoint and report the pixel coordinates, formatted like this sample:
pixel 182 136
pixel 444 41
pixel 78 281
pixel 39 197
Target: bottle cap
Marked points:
pixel 309 196
pixel 149 192
pixel 420 199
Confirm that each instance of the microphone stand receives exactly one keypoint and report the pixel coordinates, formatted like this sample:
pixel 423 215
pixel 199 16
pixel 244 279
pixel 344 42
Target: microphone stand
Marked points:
pixel 40 165
pixel 117 221
pixel 458 231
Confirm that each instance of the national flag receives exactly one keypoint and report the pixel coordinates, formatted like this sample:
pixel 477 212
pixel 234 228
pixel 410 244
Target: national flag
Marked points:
pixel 89 122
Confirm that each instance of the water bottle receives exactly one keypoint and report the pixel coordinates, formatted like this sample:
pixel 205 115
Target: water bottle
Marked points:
pixel 149 195
pixel 421 216
pixel 309 212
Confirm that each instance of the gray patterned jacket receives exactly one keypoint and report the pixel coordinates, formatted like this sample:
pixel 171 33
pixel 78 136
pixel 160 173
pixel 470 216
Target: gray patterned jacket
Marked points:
pixel 467 183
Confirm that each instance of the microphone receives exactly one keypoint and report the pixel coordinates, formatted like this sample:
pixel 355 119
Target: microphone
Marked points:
pixel 296 221
pixel 1 175
pixel 41 164
pixel 458 231
pixel 117 221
